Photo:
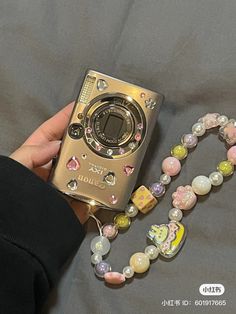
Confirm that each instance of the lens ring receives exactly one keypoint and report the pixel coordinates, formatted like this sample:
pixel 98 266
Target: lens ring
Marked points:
pixel 123 107
pixel 113 125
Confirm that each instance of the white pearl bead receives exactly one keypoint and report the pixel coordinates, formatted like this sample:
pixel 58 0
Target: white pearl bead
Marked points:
pixel 128 271
pixel 151 251
pixel 100 245
pixel 96 258
pixel 175 214
pixel 198 129
pixel 201 185
pixel 216 178
pixel 222 120
pixel 131 210
pixel 165 179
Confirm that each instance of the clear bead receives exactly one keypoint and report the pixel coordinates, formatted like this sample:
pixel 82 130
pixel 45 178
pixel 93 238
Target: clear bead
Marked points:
pixel 96 258
pixel 175 214
pixel 216 178
pixel 222 120
pixel 165 179
pixel 198 129
pixel 131 210
pixel 128 271
pixel 100 245
pixel 151 251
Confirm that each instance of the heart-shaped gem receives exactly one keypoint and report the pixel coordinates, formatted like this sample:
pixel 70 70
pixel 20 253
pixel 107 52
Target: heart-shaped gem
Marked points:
pixel 73 164
pixel 128 170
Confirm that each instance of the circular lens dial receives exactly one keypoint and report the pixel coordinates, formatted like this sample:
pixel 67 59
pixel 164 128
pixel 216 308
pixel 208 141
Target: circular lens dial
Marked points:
pixel 114 126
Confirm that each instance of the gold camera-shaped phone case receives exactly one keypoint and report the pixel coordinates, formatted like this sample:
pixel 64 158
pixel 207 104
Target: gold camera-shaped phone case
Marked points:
pixel 105 142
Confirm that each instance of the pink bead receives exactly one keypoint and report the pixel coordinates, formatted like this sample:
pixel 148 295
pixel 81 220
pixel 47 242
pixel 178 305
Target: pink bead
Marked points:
pixel 114 278
pixel 184 198
pixel 231 154
pixel 109 231
pixel 171 166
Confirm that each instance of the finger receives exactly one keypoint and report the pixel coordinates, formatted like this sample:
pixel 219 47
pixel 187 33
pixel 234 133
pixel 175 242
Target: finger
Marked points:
pixel 82 210
pixel 36 155
pixel 52 129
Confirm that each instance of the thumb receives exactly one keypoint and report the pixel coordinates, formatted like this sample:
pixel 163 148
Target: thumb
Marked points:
pixel 33 156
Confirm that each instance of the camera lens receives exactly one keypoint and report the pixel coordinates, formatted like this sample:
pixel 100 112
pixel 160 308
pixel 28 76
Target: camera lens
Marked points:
pixel 113 125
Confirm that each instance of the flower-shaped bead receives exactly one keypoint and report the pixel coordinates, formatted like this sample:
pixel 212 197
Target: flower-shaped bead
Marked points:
pixel 228 132
pixel 210 120
pixel 184 198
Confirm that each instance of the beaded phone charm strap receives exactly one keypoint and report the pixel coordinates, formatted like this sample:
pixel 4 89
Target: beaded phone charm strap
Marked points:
pixel 167 238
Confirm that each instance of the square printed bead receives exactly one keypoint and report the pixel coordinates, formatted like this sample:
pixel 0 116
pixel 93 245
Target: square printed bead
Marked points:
pixel 143 199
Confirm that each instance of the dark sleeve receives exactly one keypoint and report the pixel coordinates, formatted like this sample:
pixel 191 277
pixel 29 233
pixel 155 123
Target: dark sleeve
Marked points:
pixel 38 233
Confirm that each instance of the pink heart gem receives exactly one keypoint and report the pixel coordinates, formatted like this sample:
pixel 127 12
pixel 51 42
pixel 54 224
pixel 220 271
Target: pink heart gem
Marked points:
pixel 128 170
pixel 73 164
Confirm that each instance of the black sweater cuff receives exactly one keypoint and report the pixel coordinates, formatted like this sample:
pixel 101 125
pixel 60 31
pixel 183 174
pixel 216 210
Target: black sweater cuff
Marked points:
pixel 36 218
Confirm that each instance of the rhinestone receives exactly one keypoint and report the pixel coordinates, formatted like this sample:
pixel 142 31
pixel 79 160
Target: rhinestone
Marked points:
pixel 101 85
pixel 109 152
pixel 72 185
pixel 98 147
pixel 132 145
pixel 88 130
pixel 150 103
pixel 128 170
pixel 113 199
pixel 142 95
pixel 110 178
pixel 140 126
pixel 121 151
pixel 137 137
pixel 73 164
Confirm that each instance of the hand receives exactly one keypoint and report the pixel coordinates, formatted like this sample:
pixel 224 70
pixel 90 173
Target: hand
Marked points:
pixel 37 151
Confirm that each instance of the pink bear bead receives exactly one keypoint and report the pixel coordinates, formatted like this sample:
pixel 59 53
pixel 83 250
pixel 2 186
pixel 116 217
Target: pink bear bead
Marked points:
pixel 171 166
pixel 184 198
pixel 231 155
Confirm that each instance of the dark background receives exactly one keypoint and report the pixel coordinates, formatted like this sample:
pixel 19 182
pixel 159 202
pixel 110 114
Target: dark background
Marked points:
pixel 183 49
